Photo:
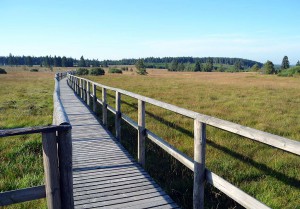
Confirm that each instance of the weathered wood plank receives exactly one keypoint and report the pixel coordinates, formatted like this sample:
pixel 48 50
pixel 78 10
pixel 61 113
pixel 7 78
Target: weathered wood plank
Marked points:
pixel 233 192
pixel 32 130
pixel 199 164
pixel 101 166
pixel 22 195
pixel 118 116
pixel 141 133
pixel 50 162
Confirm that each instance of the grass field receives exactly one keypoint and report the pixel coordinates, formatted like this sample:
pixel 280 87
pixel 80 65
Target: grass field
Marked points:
pixel 26 100
pixel 267 103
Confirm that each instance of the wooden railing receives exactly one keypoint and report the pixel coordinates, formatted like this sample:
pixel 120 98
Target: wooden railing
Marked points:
pixel 87 90
pixel 57 160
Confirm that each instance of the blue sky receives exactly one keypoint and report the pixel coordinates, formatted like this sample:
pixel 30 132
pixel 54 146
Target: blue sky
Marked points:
pixel 113 29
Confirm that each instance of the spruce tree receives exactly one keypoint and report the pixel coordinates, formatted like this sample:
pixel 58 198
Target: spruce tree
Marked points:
pixel 298 63
pixel 269 68
pixel 285 63
pixel 140 67
pixel 197 67
pixel 82 62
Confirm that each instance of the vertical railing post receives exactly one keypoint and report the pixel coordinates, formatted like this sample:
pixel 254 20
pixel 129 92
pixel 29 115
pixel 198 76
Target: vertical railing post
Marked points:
pixel 118 116
pixel 141 132
pixel 78 88
pixel 51 170
pixel 88 94
pixel 94 98
pixel 81 88
pixel 199 164
pixel 65 168
pixel 104 107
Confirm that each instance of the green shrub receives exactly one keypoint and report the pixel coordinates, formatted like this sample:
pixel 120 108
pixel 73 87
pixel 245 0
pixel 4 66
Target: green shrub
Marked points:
pixel 2 71
pixel 82 71
pixel 34 70
pixel 114 70
pixel 124 68
pixel 97 71
pixel 290 72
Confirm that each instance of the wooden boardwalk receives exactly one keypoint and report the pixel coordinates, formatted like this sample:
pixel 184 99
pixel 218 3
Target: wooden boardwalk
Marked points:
pixel 104 174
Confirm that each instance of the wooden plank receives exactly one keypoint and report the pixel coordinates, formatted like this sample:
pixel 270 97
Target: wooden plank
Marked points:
pixel 199 164
pixel 65 168
pixel 233 192
pixel 141 133
pixel 51 170
pixel 180 156
pixel 130 121
pixel 31 130
pixel 88 91
pixel 101 166
pixel 22 195
pixel 104 107
pixel 118 116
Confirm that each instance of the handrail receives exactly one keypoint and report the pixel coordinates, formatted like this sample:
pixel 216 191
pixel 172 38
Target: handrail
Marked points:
pixel 32 130
pixel 279 142
pixel 82 87
pixel 59 114
pixel 57 150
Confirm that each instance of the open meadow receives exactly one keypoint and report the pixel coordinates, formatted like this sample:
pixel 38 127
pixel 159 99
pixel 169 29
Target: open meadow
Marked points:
pixel 26 100
pixel 264 102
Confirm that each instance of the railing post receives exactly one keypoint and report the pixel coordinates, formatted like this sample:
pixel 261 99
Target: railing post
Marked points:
pixel 65 168
pixel 199 164
pixel 81 88
pixel 94 98
pixel 88 94
pixel 77 86
pixel 118 116
pixel 51 170
pixel 141 132
pixel 104 107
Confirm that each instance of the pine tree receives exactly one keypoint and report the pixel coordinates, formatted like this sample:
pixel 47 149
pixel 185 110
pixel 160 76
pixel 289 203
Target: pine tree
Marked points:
pixel 197 67
pixel 209 65
pixel 140 67
pixel 174 65
pixel 82 62
pixel 64 61
pixel 298 63
pixel 269 68
pixel 255 68
pixel 285 63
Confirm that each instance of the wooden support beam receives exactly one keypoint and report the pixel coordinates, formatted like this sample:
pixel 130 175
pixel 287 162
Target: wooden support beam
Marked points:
pixel 141 132
pixel 118 116
pixel 199 164
pixel 104 107
pixel 65 168
pixel 50 162
pixel 94 98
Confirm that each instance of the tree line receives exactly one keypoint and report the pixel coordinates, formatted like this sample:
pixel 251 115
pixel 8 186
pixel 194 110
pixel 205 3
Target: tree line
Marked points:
pixel 157 62
pixel 48 61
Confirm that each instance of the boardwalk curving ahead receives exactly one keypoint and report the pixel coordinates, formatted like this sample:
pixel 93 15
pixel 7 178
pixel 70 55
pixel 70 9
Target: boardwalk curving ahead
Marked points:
pixel 104 174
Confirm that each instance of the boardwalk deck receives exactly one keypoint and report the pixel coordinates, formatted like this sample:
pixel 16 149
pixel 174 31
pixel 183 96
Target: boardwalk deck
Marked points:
pixel 104 174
